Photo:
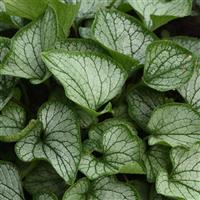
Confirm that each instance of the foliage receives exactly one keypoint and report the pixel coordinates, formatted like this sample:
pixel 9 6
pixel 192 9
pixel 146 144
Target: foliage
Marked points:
pixel 97 102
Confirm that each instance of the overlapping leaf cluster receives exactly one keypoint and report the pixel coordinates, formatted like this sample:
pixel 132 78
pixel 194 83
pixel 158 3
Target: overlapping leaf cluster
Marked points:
pixel 105 131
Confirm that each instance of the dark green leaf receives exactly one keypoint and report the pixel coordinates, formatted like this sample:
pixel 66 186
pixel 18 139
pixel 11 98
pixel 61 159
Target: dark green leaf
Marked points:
pixel 25 8
pixel 32 9
pixel 43 178
pixel 155 159
pixel 141 103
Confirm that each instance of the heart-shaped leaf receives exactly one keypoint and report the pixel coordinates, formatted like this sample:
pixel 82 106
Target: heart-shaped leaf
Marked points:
pixel 101 189
pixel 10 183
pixel 183 182
pixel 89 79
pixel 157 12
pixel 55 137
pixel 168 65
pixel 43 178
pixel 174 124
pixel 24 60
pixel 119 150
pixel 123 35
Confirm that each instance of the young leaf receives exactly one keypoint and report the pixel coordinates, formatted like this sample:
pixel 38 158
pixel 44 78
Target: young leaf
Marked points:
pixel 123 35
pixel 141 103
pixel 45 196
pixel 24 60
pixel 168 65
pixel 174 124
pixel 25 8
pixel 10 183
pixel 89 79
pixel 75 44
pixel 157 12
pixel 119 148
pixel 97 131
pixel 65 15
pixel 34 9
pixel 55 137
pixel 183 182
pixel 43 178
pixel 106 187
pixel 5 20
pixel 156 158
pixel 12 121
